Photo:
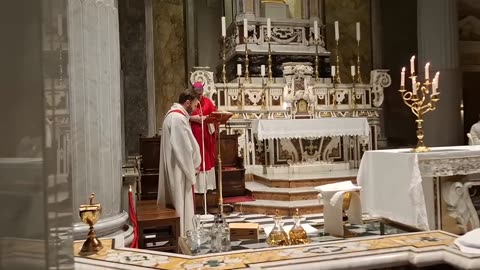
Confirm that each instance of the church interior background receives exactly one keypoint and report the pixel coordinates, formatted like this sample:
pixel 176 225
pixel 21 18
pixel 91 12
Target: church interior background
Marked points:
pixel 85 85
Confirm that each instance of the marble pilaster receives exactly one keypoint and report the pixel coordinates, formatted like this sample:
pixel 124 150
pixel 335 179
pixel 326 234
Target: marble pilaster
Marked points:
pixel 94 74
pixel 438 44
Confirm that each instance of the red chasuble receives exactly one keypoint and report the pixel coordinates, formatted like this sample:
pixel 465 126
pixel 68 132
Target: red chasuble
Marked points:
pixel 210 141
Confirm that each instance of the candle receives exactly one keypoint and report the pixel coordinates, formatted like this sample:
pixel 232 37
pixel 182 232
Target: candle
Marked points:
pixel 333 71
pixel 427 71
pixel 337 33
pixel 412 65
pixel 245 28
pixel 315 30
pixel 414 85
pixel 269 28
pixel 224 27
pixel 436 79
pixel 262 70
pixel 358 31
pixel 60 25
pixel 352 70
pixel 402 79
pixel 239 69
pixel 434 85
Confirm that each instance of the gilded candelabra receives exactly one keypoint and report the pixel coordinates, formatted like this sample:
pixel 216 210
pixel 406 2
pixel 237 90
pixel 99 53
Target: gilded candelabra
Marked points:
pixel 337 65
pixel 353 92
pixel 417 101
pixel 224 69
pixel 316 59
pixel 247 73
pixel 270 74
pixel 359 75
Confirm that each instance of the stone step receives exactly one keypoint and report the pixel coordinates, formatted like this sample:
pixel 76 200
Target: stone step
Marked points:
pixel 263 192
pixel 285 208
pixel 298 180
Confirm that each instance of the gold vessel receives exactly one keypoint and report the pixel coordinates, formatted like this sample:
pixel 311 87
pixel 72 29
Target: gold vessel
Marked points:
pixel 297 234
pixel 278 236
pixel 90 214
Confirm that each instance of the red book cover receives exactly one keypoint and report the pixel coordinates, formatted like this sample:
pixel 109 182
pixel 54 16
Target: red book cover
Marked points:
pixel 218 117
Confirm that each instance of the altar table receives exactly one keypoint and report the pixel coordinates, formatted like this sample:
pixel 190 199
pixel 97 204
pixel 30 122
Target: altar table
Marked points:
pixel 310 128
pixel 404 186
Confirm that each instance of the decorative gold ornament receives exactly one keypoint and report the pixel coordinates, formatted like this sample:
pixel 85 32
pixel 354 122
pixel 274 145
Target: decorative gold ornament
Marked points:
pixel 90 214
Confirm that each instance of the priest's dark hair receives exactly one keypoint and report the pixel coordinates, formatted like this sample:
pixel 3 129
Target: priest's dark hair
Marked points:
pixel 187 95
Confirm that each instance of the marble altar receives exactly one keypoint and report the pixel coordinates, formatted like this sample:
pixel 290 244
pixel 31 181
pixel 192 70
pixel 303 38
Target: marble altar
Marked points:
pixel 421 189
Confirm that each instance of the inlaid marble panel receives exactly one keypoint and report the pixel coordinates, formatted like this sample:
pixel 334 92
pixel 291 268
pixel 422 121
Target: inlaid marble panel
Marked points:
pixel 169 48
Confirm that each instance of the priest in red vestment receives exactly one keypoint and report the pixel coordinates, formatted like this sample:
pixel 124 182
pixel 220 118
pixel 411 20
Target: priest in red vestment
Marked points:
pixel 207 143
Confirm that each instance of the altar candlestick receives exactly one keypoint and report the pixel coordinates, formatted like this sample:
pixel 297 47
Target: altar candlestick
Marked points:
pixel 402 78
pixel 333 71
pixel 414 85
pixel 262 70
pixel 358 31
pixel 412 65
pixel 224 27
pixel 337 32
pixel 245 29
pixel 427 71
pixel 269 28
pixel 315 30
pixel 60 25
pixel 352 70
pixel 435 83
pixel 239 69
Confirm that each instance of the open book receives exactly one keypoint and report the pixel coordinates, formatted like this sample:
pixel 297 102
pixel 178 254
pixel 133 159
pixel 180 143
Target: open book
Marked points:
pixel 218 117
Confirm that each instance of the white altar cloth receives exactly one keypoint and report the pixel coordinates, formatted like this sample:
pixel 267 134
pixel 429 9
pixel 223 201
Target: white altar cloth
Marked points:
pixel 310 128
pixel 392 180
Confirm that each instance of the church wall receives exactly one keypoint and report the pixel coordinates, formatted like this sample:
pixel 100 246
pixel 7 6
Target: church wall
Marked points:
pixel 348 12
pixel 399 42
pixel 133 66
pixel 208 31
pixel 170 53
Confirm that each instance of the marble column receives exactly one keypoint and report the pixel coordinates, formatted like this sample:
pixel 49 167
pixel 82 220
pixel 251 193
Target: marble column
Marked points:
pixel 438 44
pixel 94 73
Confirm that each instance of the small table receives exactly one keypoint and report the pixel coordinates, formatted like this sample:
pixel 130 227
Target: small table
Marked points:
pixel 158 228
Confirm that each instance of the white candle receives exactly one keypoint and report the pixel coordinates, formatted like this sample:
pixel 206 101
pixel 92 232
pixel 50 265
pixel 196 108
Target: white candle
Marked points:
pixel 269 28
pixel 239 69
pixel 262 70
pixel 412 65
pixel 337 32
pixel 60 25
pixel 245 28
pixel 352 70
pixel 437 78
pixel 434 85
pixel 414 85
pixel 427 71
pixel 224 27
pixel 333 71
pixel 315 30
pixel 402 78
pixel 358 31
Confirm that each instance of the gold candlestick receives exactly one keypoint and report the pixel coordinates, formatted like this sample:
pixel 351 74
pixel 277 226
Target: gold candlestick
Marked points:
pixel 316 59
pixel 247 73
pixel 352 93
pixel 337 64
pixel 359 75
pixel 270 76
pixel 224 69
pixel 417 101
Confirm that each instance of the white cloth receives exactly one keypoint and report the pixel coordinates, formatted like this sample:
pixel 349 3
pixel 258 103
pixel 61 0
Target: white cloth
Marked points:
pixel 202 185
pixel 475 133
pixel 310 128
pixel 179 159
pixel 393 180
pixel 332 197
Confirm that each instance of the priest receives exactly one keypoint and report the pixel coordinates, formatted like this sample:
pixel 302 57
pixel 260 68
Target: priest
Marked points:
pixel 205 136
pixel 179 160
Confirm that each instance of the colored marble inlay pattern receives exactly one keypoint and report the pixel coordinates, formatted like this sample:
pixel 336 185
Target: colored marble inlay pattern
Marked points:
pixel 238 260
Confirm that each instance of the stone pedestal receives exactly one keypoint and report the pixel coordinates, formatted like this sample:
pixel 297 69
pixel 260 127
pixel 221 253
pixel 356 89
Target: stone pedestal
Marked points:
pixel 94 73
pixel 438 44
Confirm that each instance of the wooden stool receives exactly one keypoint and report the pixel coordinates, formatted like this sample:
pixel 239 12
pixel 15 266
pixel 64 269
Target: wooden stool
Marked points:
pixel 158 228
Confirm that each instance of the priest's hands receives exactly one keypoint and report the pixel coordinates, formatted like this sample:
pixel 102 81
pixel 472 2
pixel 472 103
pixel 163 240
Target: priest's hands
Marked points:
pixel 197 118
